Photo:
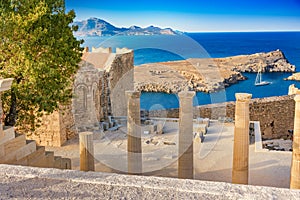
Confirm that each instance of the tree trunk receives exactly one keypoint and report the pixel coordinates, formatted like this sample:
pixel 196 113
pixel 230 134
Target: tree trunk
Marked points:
pixel 10 119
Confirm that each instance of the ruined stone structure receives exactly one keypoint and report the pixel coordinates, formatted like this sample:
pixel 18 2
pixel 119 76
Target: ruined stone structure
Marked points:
pixel 99 91
pixel 241 139
pixel 295 170
pixel 134 143
pixel 275 114
pixel 86 102
pixel 185 161
pixel 100 86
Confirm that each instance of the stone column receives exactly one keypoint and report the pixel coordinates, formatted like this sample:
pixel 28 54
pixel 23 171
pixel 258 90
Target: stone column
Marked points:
pixel 295 169
pixel 185 161
pixel 241 139
pixel 86 151
pixel 134 145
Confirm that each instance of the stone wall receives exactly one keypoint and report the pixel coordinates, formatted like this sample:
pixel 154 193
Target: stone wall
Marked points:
pixel 104 104
pixel 275 114
pixel 86 94
pixel 121 79
pixel 56 128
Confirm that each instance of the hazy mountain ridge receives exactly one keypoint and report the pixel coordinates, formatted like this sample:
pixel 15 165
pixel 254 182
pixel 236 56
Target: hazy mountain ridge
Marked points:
pixel 99 27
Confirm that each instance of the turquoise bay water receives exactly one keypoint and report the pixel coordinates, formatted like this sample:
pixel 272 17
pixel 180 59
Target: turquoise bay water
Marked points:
pixel 148 49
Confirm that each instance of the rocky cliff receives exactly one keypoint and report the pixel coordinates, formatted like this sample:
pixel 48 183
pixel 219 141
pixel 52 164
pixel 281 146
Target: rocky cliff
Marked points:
pixel 206 75
pixel 294 77
pixel 274 61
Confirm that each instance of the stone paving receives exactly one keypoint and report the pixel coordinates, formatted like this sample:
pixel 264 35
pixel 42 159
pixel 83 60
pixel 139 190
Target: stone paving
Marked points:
pixel 17 182
pixel 212 158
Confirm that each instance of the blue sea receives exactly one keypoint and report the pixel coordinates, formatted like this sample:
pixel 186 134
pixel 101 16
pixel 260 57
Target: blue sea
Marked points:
pixel 158 48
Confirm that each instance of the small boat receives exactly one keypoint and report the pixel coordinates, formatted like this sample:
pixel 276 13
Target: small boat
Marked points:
pixel 258 80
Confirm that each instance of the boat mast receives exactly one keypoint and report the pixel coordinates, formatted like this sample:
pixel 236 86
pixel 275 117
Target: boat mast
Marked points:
pixel 259 71
pixel 258 76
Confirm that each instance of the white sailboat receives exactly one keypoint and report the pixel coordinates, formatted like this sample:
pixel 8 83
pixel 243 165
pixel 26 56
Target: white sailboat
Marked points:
pixel 258 80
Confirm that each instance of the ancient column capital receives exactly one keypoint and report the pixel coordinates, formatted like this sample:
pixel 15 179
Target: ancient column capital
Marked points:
pixel 243 97
pixel 133 94
pixel 186 94
pixel 297 98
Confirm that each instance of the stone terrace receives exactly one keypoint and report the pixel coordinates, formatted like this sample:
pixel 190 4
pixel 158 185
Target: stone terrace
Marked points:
pixel 37 183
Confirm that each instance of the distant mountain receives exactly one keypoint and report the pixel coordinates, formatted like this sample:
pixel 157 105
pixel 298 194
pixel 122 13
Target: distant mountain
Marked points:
pixel 99 27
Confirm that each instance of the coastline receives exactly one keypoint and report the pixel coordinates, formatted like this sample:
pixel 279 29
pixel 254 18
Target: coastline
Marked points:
pixel 206 75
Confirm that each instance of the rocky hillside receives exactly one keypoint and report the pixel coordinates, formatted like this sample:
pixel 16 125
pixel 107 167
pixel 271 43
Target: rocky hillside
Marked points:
pixel 273 61
pixel 294 77
pixel 99 27
pixel 206 75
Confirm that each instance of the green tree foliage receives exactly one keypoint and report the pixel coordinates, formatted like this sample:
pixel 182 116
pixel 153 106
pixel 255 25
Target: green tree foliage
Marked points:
pixel 38 50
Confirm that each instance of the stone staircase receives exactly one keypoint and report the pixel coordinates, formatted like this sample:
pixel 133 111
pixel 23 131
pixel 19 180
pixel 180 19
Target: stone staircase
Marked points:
pixel 16 150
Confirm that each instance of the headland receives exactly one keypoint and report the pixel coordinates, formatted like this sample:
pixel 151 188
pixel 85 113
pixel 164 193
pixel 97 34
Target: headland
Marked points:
pixel 207 74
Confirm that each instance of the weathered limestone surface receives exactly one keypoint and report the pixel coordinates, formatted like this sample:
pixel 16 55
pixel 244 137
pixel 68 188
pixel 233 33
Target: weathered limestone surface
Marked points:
pixel 121 75
pixel 295 170
pixel 241 139
pixel 86 101
pixel 185 161
pixel 56 128
pixel 36 183
pixel 134 143
pixel 206 75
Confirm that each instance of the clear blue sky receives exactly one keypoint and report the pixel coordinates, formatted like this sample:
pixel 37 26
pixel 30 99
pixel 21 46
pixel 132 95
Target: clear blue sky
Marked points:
pixel 194 15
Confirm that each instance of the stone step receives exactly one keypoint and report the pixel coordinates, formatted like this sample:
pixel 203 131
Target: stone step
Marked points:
pixel 18 155
pixel 57 162
pixel 65 163
pixel 8 134
pixel 26 150
pixel 49 159
pixel 15 149
pixel 12 145
pixel 35 159
pixel 62 163
pixel 31 158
